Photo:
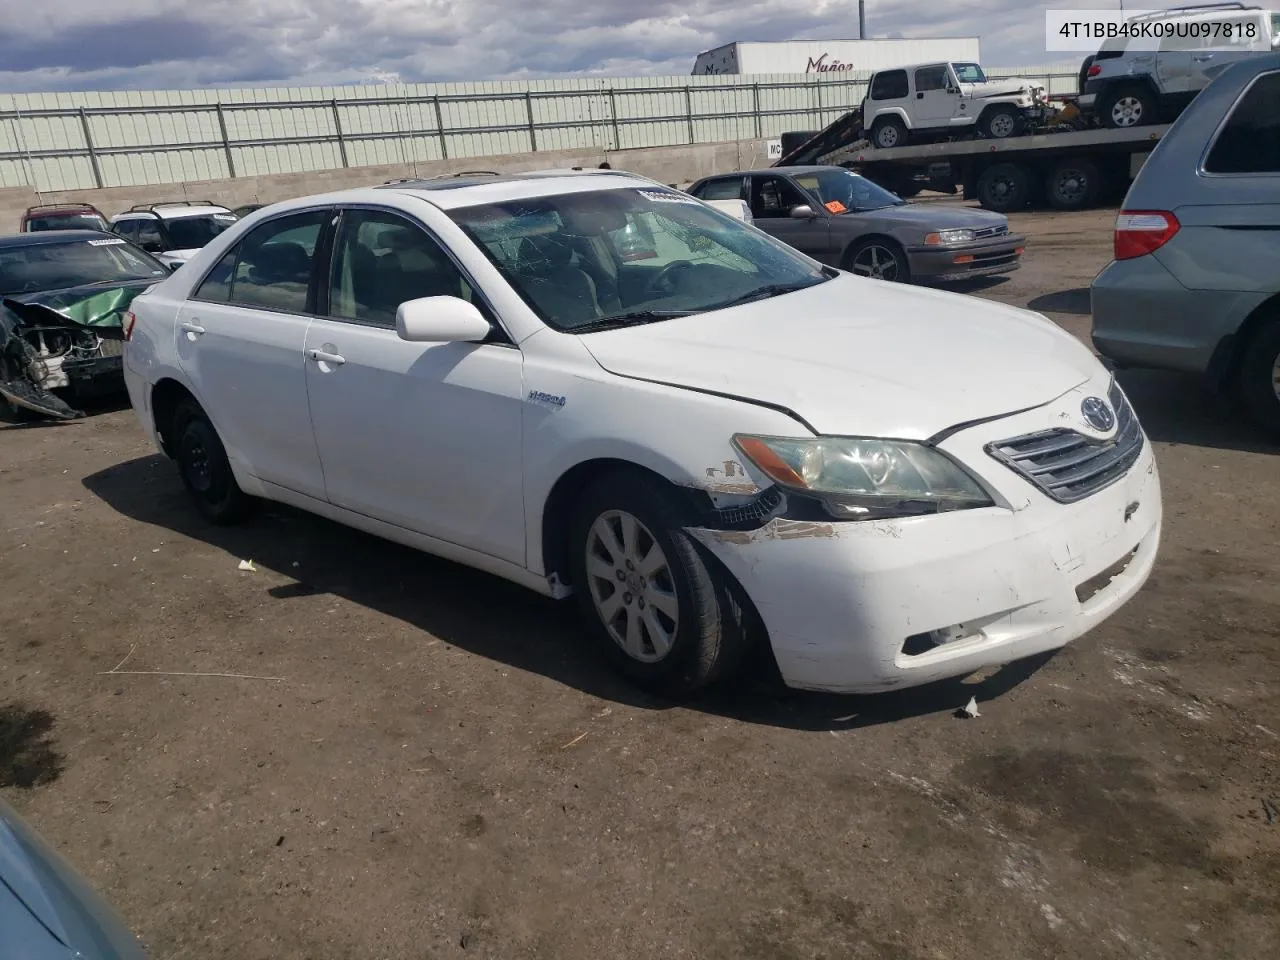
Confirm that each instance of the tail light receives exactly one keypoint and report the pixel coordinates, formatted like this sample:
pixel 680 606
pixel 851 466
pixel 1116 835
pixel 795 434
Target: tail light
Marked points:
pixel 129 320
pixel 1094 70
pixel 1140 232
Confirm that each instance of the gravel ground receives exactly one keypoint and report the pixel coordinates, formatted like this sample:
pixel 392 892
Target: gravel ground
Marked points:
pixel 423 762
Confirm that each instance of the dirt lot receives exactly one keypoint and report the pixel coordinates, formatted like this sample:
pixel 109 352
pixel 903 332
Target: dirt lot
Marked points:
pixel 441 771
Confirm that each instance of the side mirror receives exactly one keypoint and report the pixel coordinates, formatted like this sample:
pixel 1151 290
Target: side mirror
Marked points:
pixel 173 265
pixel 803 212
pixel 440 320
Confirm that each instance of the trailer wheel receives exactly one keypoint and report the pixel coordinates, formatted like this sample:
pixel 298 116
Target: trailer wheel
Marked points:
pixel 1004 187
pixel 998 123
pixel 888 132
pixel 1072 184
pixel 1125 107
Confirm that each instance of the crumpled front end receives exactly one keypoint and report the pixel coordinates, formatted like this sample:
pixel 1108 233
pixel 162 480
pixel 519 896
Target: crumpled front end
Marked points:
pixel 59 340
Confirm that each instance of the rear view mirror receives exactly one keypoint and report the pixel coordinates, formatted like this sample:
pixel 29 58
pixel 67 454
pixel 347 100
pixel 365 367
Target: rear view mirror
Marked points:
pixel 802 212
pixel 440 320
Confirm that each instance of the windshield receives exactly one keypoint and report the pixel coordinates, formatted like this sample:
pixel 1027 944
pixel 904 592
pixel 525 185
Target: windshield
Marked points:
pixel 842 191
pixel 189 233
pixel 67 221
pixel 605 257
pixel 56 266
pixel 969 73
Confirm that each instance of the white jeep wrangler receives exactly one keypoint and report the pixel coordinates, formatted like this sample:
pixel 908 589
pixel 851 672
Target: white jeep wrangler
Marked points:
pixel 933 100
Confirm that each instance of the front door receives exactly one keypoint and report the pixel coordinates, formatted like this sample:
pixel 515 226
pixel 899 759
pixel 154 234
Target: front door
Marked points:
pixel 772 200
pixel 935 105
pixel 424 436
pixel 240 340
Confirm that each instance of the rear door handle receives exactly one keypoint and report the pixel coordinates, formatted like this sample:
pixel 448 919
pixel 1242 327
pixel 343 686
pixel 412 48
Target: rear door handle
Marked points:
pixel 1201 56
pixel 194 329
pixel 321 356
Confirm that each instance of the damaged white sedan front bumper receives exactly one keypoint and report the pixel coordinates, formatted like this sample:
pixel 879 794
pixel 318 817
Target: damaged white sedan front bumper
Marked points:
pixel 871 606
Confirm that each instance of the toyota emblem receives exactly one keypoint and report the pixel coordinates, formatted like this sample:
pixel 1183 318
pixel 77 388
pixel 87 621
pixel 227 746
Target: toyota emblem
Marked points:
pixel 1097 414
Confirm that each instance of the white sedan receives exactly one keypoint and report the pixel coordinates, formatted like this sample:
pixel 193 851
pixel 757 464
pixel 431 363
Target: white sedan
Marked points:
pixel 594 385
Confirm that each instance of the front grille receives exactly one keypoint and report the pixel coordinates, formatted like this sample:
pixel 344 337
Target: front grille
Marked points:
pixel 988 232
pixel 1069 466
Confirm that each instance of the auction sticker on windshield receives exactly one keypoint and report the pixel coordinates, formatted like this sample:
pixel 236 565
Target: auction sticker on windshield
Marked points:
pixel 108 242
pixel 662 196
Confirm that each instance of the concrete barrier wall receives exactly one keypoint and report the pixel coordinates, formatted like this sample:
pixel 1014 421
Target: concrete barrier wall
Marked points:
pixel 676 165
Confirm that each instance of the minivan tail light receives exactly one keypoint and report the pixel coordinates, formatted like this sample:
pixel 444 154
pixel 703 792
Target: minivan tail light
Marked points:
pixel 1140 232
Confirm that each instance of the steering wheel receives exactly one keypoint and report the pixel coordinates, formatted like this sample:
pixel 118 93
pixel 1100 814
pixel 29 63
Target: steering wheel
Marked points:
pixel 663 282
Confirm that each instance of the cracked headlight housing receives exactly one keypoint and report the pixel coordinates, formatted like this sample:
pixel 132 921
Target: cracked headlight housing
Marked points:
pixel 857 478
pixel 942 238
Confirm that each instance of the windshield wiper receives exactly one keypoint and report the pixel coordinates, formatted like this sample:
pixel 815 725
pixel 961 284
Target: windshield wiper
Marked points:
pixel 632 319
pixel 765 292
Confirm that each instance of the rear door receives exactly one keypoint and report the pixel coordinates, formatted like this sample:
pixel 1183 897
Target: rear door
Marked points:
pixel 240 340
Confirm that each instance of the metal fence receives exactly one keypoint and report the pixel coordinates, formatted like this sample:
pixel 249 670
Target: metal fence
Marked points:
pixel 66 142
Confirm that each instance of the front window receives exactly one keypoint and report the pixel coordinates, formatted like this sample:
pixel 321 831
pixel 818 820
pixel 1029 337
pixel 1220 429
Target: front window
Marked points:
pixel 57 266
pixel 67 221
pixel 969 73
pixel 190 233
pixel 615 257
pixel 842 191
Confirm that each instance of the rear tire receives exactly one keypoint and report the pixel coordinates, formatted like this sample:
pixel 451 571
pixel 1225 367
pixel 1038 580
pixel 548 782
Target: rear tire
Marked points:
pixel 1072 185
pixel 1128 107
pixel 204 467
pixel 888 132
pixel 1259 378
pixel 661 613
pixel 1004 187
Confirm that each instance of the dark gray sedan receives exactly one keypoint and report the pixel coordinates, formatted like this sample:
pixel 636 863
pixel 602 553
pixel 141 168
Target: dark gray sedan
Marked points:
pixel 845 220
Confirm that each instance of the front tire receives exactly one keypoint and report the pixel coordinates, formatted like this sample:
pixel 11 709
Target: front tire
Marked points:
pixel 204 467
pixel 665 616
pixel 1259 378
pixel 999 123
pixel 878 260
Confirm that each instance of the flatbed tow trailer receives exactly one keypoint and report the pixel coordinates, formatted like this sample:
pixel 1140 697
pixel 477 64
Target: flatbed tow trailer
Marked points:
pixel 1064 167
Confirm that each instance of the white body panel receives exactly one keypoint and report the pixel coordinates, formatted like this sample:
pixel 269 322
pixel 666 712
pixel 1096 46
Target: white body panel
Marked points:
pixel 455 448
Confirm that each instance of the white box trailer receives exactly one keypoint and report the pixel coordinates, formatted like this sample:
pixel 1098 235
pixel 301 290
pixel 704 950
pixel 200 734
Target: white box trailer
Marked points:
pixel 831 56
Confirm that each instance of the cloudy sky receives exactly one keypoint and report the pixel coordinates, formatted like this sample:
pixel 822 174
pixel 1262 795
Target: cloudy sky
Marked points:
pixel 168 44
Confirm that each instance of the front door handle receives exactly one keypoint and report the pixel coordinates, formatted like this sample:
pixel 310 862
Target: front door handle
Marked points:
pixel 192 329
pixel 1199 57
pixel 323 356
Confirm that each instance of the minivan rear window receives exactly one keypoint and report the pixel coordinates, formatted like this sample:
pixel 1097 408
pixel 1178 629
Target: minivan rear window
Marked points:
pixel 1250 140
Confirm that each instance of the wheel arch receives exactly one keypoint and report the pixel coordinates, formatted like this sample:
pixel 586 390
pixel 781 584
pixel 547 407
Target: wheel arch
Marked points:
pixel 1231 352
pixel 846 255
pixel 897 112
pixel 167 394
pixel 552 541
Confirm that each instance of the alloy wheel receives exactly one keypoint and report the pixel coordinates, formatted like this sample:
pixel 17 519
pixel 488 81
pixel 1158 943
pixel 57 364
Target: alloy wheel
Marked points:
pixel 876 262
pixel 1126 111
pixel 631 586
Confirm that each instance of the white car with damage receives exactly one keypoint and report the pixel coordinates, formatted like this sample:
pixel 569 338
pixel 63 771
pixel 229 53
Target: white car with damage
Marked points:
pixel 599 387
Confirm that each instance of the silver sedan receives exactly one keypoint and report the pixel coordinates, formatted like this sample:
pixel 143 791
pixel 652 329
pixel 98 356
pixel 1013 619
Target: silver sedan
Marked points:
pixel 842 219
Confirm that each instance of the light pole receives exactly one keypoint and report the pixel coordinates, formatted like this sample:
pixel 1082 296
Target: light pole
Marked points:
pixel 862 18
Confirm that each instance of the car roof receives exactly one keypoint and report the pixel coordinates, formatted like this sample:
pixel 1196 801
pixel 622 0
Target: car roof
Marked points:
pixel 475 189
pixel 167 212
pixel 50 236
pixel 47 209
pixel 787 171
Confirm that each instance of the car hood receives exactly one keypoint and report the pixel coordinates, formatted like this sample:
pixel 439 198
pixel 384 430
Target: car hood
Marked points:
pixel 999 88
pixel 861 357
pixel 98 305
pixel 933 216
pixel 35 877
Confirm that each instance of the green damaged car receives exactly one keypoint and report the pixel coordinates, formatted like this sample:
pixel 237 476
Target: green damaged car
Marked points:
pixel 63 299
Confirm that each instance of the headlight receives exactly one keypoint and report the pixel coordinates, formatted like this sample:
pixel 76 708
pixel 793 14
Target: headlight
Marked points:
pixel 944 237
pixel 860 478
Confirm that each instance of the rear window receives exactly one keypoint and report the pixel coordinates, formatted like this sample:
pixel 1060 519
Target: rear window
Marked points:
pixel 889 85
pixel 66 221
pixel 1250 140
